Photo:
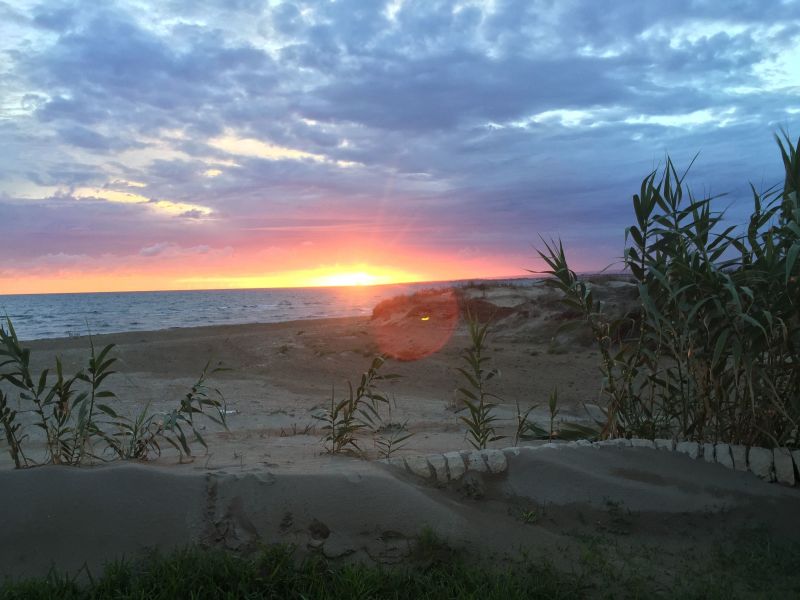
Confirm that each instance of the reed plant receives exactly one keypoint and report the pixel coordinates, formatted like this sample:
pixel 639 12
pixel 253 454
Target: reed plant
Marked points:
pixel 346 418
pixel 526 428
pixel 141 436
pixel 74 414
pixel 712 352
pixel 391 437
pixel 478 401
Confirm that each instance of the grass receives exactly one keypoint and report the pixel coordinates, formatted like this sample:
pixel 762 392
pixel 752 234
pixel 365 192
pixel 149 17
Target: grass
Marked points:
pixel 275 573
pixel 753 566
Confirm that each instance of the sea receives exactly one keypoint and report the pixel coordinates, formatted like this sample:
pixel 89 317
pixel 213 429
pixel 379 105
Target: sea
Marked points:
pixel 39 316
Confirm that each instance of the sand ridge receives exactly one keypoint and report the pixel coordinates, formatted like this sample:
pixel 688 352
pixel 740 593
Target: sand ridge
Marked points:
pixel 357 510
pixel 267 479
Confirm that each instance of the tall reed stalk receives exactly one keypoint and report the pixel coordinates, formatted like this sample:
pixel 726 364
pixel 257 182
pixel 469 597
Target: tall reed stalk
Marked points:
pixel 713 351
pixel 478 401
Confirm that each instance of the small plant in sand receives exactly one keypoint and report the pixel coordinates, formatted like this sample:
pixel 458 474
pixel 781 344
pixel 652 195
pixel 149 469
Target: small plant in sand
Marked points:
pixel 552 405
pixel 526 429
pixel 73 413
pixel 478 403
pixel 139 437
pixel 344 419
pixel 391 437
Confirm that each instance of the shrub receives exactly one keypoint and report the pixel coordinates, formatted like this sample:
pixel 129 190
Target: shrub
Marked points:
pixel 347 417
pixel 713 352
pixel 77 421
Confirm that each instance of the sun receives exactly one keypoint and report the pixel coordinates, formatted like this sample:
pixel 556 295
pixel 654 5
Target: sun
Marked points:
pixel 351 278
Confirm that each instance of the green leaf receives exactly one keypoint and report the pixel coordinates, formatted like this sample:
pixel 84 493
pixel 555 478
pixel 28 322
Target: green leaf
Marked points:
pixel 108 410
pixel 719 347
pixel 791 257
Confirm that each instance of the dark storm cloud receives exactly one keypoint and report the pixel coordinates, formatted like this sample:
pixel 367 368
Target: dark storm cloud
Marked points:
pixel 531 117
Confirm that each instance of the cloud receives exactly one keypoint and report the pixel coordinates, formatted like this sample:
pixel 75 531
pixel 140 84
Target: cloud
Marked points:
pixel 154 250
pixel 172 249
pixel 85 138
pixel 446 126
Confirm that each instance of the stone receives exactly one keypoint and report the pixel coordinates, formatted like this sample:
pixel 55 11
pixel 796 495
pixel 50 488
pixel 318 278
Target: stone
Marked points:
pixel 495 460
pixel 760 462
pixel 552 445
pixel 455 465
pixel 511 451
pixel 692 449
pixel 739 453
pixel 476 463
pixel 723 456
pixel 396 461
pixel 708 452
pixel 418 465
pixel 662 444
pixel 784 466
pixel 439 465
pixel 615 443
pixel 472 485
pixel 583 443
pixel 640 443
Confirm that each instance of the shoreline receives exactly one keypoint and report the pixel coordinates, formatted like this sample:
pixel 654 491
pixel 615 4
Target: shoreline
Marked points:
pixel 189 330
pixel 280 375
pixel 54 316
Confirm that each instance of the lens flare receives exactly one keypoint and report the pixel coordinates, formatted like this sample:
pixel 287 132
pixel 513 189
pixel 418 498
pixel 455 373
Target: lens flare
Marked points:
pixel 413 327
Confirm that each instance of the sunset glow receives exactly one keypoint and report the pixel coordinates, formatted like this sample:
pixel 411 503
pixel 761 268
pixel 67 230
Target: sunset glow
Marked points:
pixel 203 269
pixel 352 278
pixel 333 276
pixel 160 146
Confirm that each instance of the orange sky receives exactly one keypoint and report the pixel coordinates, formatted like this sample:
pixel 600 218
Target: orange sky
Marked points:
pixel 176 268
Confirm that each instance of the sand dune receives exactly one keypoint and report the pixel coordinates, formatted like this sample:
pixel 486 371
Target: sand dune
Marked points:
pixel 268 480
pixel 359 510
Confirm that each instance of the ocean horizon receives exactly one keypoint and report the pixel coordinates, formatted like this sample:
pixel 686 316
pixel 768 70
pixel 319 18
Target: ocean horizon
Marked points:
pixel 56 315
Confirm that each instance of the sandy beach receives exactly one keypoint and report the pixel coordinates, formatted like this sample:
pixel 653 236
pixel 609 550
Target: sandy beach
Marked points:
pixel 280 374
pixel 267 479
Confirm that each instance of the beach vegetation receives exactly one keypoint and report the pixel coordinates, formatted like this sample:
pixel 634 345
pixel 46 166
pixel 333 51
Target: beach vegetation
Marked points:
pixel 712 351
pixel 307 429
pixel 344 419
pixel 479 403
pixel 141 437
pixel 756 566
pixel 552 405
pixel 391 437
pixel 558 429
pixel 526 428
pixel 76 416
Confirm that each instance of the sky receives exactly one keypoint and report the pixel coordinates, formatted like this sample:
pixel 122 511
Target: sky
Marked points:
pixel 189 144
